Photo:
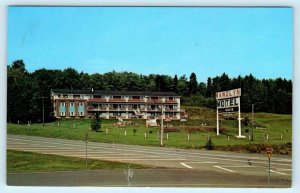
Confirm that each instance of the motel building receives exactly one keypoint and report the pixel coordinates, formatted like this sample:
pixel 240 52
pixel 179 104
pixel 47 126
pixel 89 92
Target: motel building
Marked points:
pixel 115 104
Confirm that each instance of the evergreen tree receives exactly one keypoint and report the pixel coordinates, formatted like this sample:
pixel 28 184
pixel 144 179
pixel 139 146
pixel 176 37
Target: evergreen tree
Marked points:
pixel 193 84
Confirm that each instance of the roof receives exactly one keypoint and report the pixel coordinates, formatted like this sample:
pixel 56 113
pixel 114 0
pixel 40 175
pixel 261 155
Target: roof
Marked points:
pixel 118 93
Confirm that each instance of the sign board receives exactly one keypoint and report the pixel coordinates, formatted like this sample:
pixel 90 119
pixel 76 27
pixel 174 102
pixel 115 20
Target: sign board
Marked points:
pixel 228 110
pixel 228 103
pixel 269 151
pixel 228 94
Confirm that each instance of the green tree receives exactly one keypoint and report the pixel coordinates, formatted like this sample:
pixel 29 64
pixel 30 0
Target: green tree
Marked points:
pixel 193 84
pixel 96 123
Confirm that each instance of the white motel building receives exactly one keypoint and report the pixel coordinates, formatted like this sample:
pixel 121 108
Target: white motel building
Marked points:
pixel 115 104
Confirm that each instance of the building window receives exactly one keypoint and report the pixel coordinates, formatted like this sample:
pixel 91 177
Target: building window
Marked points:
pixel 81 104
pixel 71 104
pixel 71 113
pixel 62 113
pixel 62 104
pixel 81 114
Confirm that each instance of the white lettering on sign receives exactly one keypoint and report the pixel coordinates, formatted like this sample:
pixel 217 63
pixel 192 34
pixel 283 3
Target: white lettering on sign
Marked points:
pixel 227 103
pixel 228 94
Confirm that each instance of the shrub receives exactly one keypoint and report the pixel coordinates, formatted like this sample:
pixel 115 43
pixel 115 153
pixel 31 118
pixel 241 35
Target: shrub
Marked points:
pixel 246 121
pixel 96 124
pixel 209 145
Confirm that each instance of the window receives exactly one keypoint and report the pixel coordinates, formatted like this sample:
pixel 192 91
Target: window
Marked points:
pixel 62 104
pixel 71 104
pixel 81 104
pixel 71 113
pixel 62 113
pixel 81 114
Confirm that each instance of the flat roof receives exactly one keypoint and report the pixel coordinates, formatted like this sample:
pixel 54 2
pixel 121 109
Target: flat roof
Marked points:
pixel 118 93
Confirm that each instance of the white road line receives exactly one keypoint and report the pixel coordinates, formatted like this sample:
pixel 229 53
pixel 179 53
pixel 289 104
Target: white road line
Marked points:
pixel 203 162
pixel 224 168
pixel 284 169
pixel 241 166
pixel 185 165
pixel 284 160
pixel 278 172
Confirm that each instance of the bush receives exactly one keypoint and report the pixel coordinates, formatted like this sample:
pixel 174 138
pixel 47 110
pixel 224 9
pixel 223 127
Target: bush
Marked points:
pixel 96 124
pixel 209 145
pixel 246 121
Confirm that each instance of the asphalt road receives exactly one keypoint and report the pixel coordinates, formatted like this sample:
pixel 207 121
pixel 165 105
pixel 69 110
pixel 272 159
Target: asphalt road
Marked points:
pixel 175 167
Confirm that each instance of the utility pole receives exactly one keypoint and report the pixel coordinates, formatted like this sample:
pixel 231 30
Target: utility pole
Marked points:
pixel 252 122
pixel 162 127
pixel 161 121
pixel 86 143
pixel 43 109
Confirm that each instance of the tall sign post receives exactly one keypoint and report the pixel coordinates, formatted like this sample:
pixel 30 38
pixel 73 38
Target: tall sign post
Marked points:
pixel 228 101
pixel 269 152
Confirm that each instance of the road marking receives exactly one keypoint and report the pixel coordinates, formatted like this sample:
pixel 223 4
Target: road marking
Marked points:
pixel 284 169
pixel 204 162
pixel 278 172
pixel 284 160
pixel 240 166
pixel 224 168
pixel 185 165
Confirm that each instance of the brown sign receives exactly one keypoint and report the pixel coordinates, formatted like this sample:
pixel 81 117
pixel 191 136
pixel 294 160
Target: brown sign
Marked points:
pixel 269 151
pixel 228 94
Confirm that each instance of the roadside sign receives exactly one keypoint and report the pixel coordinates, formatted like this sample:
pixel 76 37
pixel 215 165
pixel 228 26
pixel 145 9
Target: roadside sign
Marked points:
pixel 269 151
pixel 228 94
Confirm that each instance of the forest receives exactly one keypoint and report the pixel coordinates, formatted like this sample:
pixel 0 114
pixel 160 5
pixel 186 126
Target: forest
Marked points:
pixel 26 89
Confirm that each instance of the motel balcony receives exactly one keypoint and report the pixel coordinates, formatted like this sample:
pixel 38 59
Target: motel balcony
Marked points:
pixel 170 102
pixel 136 100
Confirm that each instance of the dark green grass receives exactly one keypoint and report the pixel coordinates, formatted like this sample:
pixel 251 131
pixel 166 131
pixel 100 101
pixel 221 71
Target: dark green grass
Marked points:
pixel 18 161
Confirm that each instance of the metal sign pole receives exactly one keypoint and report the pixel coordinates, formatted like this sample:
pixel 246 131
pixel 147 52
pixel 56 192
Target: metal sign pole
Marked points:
pixel 269 153
pixel 162 127
pixel 252 137
pixel 218 122
pixel 240 129
pixel 86 142
pixel 269 172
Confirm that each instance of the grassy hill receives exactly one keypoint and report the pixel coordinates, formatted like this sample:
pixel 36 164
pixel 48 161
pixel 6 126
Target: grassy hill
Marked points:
pixel 271 130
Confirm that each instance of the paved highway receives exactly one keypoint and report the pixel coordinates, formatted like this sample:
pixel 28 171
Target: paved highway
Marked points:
pixel 195 167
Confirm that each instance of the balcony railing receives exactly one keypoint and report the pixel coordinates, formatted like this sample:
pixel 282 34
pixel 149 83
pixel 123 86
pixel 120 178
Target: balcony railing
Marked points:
pixel 170 101
pixel 97 100
pixel 136 100
pixel 117 100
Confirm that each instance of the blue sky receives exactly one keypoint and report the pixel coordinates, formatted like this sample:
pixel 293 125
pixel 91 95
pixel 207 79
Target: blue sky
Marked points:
pixel 159 40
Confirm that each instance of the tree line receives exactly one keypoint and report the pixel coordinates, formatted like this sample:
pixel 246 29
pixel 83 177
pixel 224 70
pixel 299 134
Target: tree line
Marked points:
pixel 24 89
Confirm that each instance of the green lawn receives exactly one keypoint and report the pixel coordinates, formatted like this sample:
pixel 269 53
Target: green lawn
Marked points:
pixel 273 125
pixel 18 161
